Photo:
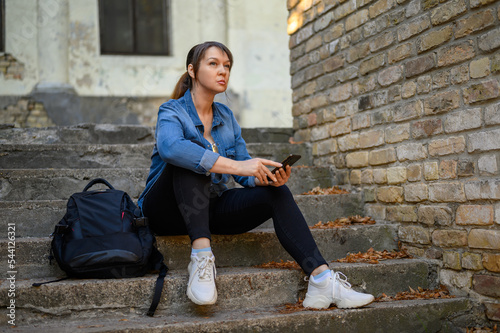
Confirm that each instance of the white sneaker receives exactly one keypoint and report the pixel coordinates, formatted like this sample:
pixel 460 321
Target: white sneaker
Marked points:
pixel 201 287
pixel 337 290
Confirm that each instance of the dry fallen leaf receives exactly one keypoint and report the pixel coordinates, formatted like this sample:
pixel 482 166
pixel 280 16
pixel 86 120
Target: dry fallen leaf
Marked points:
pixel 373 257
pixel 482 329
pixel 293 142
pixel 289 264
pixel 324 191
pixel 441 292
pixel 344 222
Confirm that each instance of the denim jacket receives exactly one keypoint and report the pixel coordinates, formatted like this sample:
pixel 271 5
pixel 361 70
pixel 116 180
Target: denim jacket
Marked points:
pixel 179 141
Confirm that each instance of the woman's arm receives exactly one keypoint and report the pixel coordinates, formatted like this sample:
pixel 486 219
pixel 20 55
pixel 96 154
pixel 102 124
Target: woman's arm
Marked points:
pixel 254 167
pixel 174 143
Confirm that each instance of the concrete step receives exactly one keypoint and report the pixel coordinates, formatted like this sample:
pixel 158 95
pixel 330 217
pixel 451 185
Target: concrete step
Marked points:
pixel 59 184
pixel 248 249
pixel 117 134
pixel 62 156
pixel 267 134
pixel 80 156
pixel 37 218
pixel 279 151
pixel 238 288
pixel 418 316
pixel 88 133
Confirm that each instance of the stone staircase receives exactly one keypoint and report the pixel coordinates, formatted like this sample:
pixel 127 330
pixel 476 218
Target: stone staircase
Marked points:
pixel 41 168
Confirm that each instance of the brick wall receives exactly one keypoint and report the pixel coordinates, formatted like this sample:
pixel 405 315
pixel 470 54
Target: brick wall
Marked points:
pixel 25 112
pixel 10 68
pixel 403 98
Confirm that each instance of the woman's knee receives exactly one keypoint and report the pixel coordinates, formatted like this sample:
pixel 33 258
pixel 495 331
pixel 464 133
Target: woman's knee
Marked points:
pixel 274 196
pixel 282 193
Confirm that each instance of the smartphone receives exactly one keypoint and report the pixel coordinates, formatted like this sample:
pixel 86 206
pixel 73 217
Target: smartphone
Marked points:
pixel 290 160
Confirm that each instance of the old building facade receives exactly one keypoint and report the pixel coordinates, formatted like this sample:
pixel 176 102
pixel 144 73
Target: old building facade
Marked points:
pixel 53 70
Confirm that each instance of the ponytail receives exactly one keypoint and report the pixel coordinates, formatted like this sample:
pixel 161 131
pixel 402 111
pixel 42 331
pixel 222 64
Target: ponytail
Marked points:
pixel 182 86
pixel 194 57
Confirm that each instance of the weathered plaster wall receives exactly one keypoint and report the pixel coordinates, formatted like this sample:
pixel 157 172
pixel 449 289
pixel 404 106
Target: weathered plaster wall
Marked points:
pixel 403 98
pixel 21 42
pixel 257 37
pixel 58 43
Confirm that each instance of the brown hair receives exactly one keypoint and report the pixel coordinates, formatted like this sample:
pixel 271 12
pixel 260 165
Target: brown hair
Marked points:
pixel 194 57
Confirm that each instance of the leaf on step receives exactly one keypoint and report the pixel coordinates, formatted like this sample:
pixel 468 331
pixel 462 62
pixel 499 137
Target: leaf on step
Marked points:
pixel 293 142
pixel 494 329
pixel 289 264
pixel 420 293
pixel 373 257
pixel 343 222
pixel 325 191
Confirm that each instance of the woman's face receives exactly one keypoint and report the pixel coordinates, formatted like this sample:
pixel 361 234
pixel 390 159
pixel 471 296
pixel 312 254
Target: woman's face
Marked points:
pixel 213 71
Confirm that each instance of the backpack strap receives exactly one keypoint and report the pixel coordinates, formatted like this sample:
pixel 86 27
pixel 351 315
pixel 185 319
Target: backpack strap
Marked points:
pixel 60 229
pixel 98 181
pixel 156 260
pixel 38 284
pixel 158 290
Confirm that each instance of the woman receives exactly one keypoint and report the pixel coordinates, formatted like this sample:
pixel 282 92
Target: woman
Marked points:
pixel 198 146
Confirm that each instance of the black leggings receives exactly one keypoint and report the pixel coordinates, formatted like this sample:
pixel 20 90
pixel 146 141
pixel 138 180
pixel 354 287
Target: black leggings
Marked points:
pixel 180 203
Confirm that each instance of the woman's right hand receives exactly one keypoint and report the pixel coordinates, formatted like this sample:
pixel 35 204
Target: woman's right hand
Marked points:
pixel 258 167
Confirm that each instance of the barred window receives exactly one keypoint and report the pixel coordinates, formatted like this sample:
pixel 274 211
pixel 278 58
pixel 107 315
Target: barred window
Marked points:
pixel 134 27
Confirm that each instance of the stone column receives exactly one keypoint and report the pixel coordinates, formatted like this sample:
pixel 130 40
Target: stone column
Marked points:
pixel 53 27
pixel 53 89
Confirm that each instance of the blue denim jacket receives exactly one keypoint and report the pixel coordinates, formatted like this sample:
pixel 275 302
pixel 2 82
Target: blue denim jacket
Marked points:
pixel 180 141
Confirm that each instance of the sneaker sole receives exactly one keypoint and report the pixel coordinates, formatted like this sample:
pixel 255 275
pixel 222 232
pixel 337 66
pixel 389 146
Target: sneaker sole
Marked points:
pixel 351 305
pixel 323 302
pixel 316 302
pixel 197 301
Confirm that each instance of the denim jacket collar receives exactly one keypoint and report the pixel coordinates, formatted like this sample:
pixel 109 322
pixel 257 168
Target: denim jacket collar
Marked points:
pixel 191 109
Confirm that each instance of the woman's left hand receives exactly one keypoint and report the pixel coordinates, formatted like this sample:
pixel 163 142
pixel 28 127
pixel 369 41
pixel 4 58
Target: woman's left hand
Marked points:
pixel 282 177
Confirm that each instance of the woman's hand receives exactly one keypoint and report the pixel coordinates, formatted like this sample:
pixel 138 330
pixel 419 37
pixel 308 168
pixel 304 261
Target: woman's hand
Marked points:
pixel 282 177
pixel 258 167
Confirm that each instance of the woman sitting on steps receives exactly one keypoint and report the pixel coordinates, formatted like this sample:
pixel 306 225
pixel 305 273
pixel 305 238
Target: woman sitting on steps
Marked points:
pixel 198 146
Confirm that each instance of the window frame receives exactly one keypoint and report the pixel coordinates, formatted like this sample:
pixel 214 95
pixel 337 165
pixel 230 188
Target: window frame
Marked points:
pixel 2 26
pixel 166 28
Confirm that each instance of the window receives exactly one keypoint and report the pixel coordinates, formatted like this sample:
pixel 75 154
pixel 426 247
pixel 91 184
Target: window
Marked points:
pixel 134 27
pixel 2 26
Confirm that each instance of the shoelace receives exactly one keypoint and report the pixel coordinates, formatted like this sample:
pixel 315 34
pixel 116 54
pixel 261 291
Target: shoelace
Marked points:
pixel 340 277
pixel 205 267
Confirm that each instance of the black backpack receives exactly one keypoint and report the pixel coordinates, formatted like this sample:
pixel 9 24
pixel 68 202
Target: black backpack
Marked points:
pixel 102 235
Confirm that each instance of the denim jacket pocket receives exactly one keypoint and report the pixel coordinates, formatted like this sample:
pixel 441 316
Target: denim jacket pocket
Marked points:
pixel 231 153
